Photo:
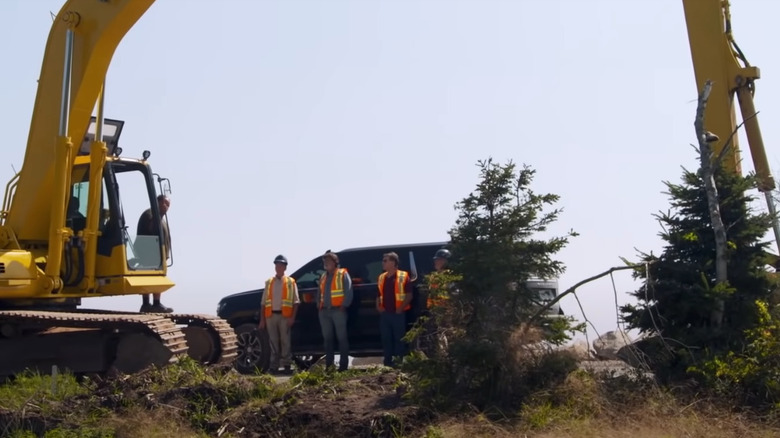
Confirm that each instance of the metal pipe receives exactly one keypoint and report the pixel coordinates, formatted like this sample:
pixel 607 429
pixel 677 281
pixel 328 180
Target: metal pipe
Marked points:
pixel 99 121
pixel 764 179
pixel 770 202
pixel 755 140
pixel 65 108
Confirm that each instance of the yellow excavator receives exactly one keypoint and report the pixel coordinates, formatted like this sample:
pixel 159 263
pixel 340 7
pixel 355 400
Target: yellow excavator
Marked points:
pixel 717 58
pixel 68 223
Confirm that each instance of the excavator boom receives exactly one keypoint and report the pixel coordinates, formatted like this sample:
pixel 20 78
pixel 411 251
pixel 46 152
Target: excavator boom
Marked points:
pixel 98 27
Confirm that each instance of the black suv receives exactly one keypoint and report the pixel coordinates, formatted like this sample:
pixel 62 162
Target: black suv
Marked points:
pixel 364 265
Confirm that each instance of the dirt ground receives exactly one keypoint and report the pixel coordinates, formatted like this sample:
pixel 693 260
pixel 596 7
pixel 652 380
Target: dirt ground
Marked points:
pixel 366 405
pixel 362 403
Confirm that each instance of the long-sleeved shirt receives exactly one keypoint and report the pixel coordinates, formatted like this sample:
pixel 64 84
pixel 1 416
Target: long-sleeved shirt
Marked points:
pixel 347 291
pixel 147 226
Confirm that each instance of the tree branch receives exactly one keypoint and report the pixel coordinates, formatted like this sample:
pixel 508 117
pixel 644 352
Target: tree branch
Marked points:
pixel 570 290
pixel 730 139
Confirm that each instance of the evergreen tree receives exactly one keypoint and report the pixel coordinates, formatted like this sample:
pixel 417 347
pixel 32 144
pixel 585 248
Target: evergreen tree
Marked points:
pixel 496 248
pixel 679 290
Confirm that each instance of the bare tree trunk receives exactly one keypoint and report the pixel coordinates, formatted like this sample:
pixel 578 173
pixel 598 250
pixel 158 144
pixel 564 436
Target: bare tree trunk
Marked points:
pixel 708 175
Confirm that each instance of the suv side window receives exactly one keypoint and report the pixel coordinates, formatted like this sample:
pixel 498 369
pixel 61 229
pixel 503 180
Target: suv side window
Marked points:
pixel 308 276
pixel 362 266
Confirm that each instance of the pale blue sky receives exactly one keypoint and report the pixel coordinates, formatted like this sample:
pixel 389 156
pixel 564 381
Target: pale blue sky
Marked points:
pixel 293 126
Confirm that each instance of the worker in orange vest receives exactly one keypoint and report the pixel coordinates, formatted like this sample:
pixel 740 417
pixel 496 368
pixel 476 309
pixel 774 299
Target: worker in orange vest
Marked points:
pixel 440 260
pixel 428 337
pixel 394 300
pixel 280 306
pixel 334 299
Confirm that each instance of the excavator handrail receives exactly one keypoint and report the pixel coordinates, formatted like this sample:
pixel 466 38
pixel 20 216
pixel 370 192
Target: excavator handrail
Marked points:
pixel 10 188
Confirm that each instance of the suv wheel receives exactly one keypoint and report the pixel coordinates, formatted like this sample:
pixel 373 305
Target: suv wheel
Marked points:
pixel 254 349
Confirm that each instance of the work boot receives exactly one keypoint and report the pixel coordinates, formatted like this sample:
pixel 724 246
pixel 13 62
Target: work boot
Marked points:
pixel 146 308
pixel 159 308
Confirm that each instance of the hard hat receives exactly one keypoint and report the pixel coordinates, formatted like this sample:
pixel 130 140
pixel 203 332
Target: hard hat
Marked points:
pixel 442 254
pixel 332 256
pixel 280 259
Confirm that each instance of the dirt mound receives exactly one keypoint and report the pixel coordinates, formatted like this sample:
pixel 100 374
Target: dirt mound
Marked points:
pixel 368 405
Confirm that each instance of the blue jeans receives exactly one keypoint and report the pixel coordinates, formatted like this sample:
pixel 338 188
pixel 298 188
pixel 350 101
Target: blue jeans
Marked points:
pixel 330 319
pixel 393 328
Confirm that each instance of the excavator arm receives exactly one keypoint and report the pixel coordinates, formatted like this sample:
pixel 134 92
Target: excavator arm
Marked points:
pixel 717 58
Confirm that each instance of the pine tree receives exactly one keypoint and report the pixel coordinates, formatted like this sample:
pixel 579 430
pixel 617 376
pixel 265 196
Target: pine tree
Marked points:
pixel 496 247
pixel 679 293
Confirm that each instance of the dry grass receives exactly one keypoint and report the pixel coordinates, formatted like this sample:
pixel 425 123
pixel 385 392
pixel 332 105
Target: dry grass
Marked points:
pixel 587 407
pixel 137 422
pixel 594 429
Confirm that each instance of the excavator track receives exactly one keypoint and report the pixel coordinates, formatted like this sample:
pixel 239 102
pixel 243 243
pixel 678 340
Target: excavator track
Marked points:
pixel 99 341
pixel 222 343
pixel 221 346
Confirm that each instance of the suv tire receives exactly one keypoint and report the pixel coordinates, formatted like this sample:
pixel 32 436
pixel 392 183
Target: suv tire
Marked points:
pixel 254 349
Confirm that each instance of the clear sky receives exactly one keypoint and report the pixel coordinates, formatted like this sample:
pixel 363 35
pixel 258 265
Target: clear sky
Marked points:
pixel 299 126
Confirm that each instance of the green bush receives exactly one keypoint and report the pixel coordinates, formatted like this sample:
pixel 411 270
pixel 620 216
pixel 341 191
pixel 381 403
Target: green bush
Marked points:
pixel 751 376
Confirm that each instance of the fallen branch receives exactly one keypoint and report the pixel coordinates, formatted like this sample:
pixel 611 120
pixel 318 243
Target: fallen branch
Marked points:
pixel 570 290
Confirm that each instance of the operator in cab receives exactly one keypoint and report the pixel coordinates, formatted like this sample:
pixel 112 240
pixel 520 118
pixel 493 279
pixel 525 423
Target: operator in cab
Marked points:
pixel 147 226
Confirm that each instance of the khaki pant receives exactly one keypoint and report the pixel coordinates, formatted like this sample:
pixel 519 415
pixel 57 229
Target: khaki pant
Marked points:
pixel 279 335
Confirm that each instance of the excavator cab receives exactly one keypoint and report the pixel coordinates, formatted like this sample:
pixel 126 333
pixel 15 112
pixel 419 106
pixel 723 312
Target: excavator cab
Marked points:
pixel 133 193
pixel 127 194
pixel 128 203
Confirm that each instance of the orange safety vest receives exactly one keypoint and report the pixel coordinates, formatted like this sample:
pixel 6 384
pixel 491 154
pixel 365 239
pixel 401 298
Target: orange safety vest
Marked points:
pixel 336 288
pixel 401 277
pixel 288 288
pixel 441 299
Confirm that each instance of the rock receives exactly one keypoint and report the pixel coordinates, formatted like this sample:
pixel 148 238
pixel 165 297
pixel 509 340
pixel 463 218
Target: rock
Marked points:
pixel 578 349
pixel 632 355
pixel 608 344
pixel 647 353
